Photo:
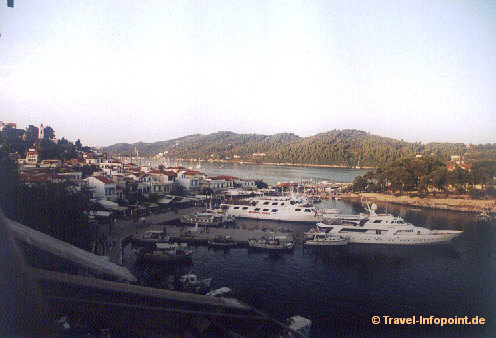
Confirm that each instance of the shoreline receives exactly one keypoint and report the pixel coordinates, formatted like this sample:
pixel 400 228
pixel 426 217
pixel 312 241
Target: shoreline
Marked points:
pixel 450 204
pixel 265 163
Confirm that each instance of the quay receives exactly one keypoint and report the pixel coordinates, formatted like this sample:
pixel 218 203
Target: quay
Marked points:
pixel 122 232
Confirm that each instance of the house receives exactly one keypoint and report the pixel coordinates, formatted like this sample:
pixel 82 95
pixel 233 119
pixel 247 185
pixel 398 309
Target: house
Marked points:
pixel 102 187
pixel 221 182
pixel 245 183
pixel 92 159
pixel 50 163
pixel 190 180
pixel 32 157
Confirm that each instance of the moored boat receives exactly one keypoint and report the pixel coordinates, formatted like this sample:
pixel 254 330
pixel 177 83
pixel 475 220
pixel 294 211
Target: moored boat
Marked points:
pixel 190 283
pixel 271 244
pixel 210 217
pixel 280 208
pixel 383 229
pixel 164 253
pixel 150 237
pixel 222 241
pixel 325 239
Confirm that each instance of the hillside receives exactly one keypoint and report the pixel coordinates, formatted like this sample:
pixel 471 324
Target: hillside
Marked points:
pixel 337 147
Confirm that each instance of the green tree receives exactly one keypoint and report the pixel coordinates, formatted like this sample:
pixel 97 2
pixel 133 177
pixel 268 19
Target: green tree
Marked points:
pixel 484 171
pixel 48 133
pixel 31 135
pixel 359 184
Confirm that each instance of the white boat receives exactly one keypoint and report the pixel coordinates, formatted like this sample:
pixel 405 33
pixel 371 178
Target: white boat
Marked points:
pixel 164 253
pixel 300 326
pixel 384 229
pixel 325 239
pixel 220 292
pixel 210 217
pixel 190 283
pixel 283 208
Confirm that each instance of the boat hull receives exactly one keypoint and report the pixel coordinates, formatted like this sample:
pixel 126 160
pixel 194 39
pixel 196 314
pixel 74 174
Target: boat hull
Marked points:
pixel 442 238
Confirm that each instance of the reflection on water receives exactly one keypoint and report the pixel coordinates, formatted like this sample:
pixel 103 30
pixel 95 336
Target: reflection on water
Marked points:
pixel 341 288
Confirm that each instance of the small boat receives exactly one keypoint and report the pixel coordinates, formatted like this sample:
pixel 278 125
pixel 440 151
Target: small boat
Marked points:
pixel 271 244
pixel 210 217
pixel 300 325
pixel 324 239
pixel 164 253
pixel 190 283
pixel 483 217
pixel 223 241
pixel 151 237
pixel 220 292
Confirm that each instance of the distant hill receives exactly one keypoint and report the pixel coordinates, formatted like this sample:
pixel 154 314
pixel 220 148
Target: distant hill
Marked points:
pixel 337 147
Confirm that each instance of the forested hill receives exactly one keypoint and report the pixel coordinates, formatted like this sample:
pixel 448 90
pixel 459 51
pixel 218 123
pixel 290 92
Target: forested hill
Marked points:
pixel 337 147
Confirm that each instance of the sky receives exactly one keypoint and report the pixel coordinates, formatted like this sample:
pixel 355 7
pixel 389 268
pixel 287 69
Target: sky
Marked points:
pixel 129 71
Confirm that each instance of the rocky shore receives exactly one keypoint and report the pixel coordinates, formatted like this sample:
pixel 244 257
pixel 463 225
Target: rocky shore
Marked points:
pixel 464 204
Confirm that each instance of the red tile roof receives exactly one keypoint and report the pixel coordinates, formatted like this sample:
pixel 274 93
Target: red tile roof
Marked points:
pixel 224 177
pixel 191 172
pixel 104 179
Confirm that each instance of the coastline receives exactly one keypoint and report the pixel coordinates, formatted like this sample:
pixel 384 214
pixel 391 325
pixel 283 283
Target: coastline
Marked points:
pixel 267 163
pixel 451 204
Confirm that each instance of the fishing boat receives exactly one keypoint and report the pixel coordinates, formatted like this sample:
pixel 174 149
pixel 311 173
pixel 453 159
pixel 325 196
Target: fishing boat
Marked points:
pixel 190 283
pixel 151 237
pixel 222 241
pixel 271 243
pixel 164 253
pixel 325 239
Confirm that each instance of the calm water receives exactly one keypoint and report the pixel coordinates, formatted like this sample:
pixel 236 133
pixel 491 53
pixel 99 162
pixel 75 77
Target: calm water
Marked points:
pixel 271 174
pixel 341 288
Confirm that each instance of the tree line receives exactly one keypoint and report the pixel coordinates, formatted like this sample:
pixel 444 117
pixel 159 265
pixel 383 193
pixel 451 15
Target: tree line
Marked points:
pixel 430 174
pixel 351 148
pixel 19 141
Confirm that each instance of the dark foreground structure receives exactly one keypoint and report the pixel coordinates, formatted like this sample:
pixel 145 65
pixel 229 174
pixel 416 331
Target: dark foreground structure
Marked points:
pixel 36 301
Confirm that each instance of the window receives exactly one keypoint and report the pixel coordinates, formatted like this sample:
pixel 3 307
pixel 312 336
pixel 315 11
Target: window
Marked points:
pixel 274 210
pixel 265 209
pixel 275 203
pixel 257 209
pixel 266 203
pixel 297 209
pixel 244 208
pixel 236 208
pixel 308 210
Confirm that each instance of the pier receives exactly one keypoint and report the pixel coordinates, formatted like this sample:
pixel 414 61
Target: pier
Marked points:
pixel 122 232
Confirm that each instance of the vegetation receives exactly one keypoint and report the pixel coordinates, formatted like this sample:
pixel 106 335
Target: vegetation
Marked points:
pixel 429 174
pixel 349 148
pixel 50 208
pixel 20 141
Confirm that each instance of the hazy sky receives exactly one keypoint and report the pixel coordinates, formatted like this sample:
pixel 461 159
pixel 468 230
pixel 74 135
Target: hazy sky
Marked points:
pixel 128 71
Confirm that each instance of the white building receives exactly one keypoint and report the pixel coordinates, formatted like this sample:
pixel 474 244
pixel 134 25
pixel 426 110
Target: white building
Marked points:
pixel 32 157
pixel 103 187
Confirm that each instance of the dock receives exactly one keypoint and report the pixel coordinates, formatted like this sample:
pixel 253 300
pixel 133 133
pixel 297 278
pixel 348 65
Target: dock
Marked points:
pixel 123 231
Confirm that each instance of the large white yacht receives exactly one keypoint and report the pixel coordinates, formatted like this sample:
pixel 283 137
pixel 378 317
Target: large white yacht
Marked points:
pixel 383 229
pixel 280 208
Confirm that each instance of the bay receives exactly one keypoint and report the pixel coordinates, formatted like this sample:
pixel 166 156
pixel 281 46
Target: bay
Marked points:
pixel 269 173
pixel 340 289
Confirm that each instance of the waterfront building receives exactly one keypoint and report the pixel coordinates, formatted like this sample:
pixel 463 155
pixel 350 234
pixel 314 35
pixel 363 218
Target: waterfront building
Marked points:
pixel 102 187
